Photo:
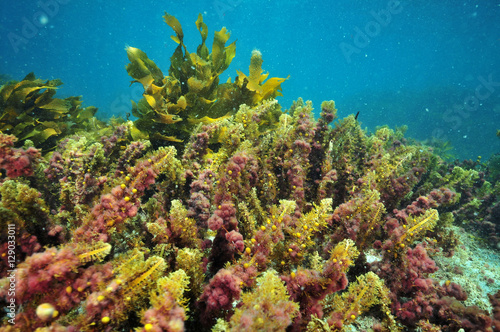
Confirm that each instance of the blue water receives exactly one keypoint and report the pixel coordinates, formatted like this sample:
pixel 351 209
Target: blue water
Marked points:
pixel 433 66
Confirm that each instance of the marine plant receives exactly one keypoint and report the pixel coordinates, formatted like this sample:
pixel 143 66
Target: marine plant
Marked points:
pixel 28 110
pixel 306 227
pixel 191 94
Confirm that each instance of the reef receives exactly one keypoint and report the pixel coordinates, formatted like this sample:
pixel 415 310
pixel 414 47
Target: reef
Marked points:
pixel 217 210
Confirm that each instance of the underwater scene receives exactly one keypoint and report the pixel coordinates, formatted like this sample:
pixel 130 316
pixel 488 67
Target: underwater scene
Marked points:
pixel 232 165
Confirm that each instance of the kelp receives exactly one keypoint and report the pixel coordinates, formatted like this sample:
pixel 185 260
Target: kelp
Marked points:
pixel 191 94
pixel 29 110
pixel 255 80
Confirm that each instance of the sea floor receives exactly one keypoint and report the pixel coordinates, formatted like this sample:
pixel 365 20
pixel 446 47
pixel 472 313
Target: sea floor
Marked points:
pixel 474 266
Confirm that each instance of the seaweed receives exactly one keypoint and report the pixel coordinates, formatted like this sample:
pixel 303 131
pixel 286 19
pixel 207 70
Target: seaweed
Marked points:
pixel 29 110
pixel 190 95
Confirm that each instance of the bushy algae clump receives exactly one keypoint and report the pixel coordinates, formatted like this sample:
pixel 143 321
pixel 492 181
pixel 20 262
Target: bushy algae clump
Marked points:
pixel 191 94
pixel 28 110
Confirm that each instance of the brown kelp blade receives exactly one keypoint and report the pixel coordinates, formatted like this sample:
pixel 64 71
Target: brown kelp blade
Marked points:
pixel 141 68
pixel 176 26
pixel 202 49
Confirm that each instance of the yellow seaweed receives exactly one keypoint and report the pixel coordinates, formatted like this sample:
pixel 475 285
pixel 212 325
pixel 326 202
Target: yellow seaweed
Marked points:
pixel 167 118
pixel 29 110
pixel 192 90
pixel 141 68
pixel 218 58
pixel 255 70
pixel 96 252
pixel 208 120
pixel 167 138
pixel 175 25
